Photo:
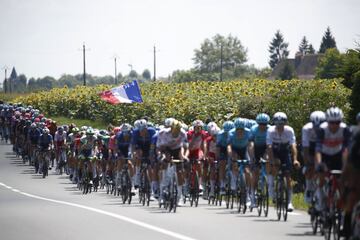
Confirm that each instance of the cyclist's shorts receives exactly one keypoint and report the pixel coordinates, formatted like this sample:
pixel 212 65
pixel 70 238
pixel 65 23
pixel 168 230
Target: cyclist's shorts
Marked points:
pixel 145 148
pixel 285 158
pixel 87 153
pixel 174 153
pixel 333 162
pixel 124 152
pixel 223 156
pixel 260 151
pixel 241 152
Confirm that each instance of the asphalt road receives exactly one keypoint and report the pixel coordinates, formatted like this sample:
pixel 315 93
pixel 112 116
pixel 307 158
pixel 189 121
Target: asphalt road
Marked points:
pixel 53 208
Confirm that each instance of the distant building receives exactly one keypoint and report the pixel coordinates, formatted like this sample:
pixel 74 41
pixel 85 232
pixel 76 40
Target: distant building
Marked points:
pixel 304 65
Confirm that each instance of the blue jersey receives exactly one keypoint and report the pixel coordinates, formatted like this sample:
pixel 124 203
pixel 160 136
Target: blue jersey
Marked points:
pixel 45 140
pixel 258 137
pixel 34 135
pixel 239 143
pixel 137 140
pixel 120 140
pixel 222 139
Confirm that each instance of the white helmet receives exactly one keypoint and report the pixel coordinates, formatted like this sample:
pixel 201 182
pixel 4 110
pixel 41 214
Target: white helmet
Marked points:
pixel 46 130
pixel 142 124
pixel 168 122
pixel 211 125
pixel 317 117
pixel 279 118
pixel 214 130
pixel 198 123
pixel 334 114
pixel 125 127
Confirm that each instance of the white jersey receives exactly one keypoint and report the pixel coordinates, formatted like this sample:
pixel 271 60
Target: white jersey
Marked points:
pixel 60 137
pixel 166 139
pixel 308 134
pixel 332 143
pixel 285 137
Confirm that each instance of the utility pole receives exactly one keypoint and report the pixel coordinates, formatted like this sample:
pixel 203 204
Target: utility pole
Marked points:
pixel 221 62
pixel 154 63
pixel 5 83
pixel 115 72
pixel 84 76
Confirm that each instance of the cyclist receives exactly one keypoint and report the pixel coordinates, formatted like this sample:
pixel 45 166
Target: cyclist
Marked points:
pixel 33 138
pixel 332 148
pixel 281 145
pixel 195 152
pixel 308 143
pixel 140 145
pixel 211 154
pixel 171 142
pixel 258 137
pixel 221 144
pixel 60 144
pixel 45 142
pixel 240 148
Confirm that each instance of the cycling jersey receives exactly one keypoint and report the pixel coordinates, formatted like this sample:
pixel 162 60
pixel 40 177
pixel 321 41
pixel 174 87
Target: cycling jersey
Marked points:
pixel 59 139
pixel 222 139
pixel 112 142
pixel 195 142
pixel 237 142
pixel 309 137
pixel 88 142
pixel 166 139
pixel 258 136
pixel 123 143
pixel 137 140
pixel 45 141
pixel 332 143
pixel 281 143
pixel 34 135
pixel 211 147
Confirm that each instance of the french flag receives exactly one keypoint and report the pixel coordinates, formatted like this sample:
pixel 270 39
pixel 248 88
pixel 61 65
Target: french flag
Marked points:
pixel 128 93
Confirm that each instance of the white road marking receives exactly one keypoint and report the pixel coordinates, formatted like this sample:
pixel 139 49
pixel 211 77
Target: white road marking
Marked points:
pixel 117 216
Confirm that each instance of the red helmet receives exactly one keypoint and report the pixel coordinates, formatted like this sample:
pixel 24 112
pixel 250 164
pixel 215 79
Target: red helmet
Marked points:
pixel 116 130
pixel 41 116
pixel 36 120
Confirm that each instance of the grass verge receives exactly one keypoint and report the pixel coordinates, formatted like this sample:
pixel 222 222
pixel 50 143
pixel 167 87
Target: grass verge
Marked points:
pixel 79 122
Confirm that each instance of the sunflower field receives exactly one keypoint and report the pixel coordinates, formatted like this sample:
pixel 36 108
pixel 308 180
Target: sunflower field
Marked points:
pixel 188 101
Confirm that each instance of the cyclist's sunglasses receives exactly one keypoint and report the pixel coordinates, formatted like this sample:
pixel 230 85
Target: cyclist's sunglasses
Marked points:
pixel 335 123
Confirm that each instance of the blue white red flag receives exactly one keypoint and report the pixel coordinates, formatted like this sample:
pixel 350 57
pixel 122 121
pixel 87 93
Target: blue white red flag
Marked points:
pixel 127 93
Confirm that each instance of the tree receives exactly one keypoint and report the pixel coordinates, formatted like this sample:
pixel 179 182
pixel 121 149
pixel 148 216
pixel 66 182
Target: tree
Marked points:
pixel 304 46
pixel 311 49
pixel 330 64
pixel 278 49
pixel 207 59
pixel 288 71
pixel 146 74
pixel 350 66
pixel 328 41
pixel 133 74
pixel 355 97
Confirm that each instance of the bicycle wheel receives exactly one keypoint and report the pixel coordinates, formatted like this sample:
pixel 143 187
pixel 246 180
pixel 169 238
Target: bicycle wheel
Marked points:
pixel 265 199
pixel 285 200
pixel 259 201
pixel 336 224
pixel 327 226
pixel 196 190
pixel 278 198
pixel 314 222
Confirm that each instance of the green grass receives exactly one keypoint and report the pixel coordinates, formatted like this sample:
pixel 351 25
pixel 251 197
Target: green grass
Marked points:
pixel 298 202
pixel 79 122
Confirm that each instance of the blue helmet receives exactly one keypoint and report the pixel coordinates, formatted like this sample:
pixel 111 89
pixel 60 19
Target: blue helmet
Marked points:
pixel 228 125
pixel 249 123
pixel 240 123
pixel 262 118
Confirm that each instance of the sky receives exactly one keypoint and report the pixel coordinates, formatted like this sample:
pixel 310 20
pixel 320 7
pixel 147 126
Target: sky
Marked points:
pixel 45 37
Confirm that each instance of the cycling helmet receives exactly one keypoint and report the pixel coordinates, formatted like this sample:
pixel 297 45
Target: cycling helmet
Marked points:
pixel 213 130
pixel 66 128
pixel 142 124
pixel 358 117
pixel 46 130
pixel 90 132
pixel 116 130
pixel 249 123
pixel 150 124
pixel 75 130
pixel 228 125
pixel 197 123
pixel 334 114
pixel 125 127
pixel 28 122
pixel 60 129
pixel 84 128
pixel 176 125
pixel 317 118
pixel 168 122
pixel 41 116
pixel 33 125
pixel 279 118
pixel 239 123
pixel 136 124
pixel 211 125
pixel 262 118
